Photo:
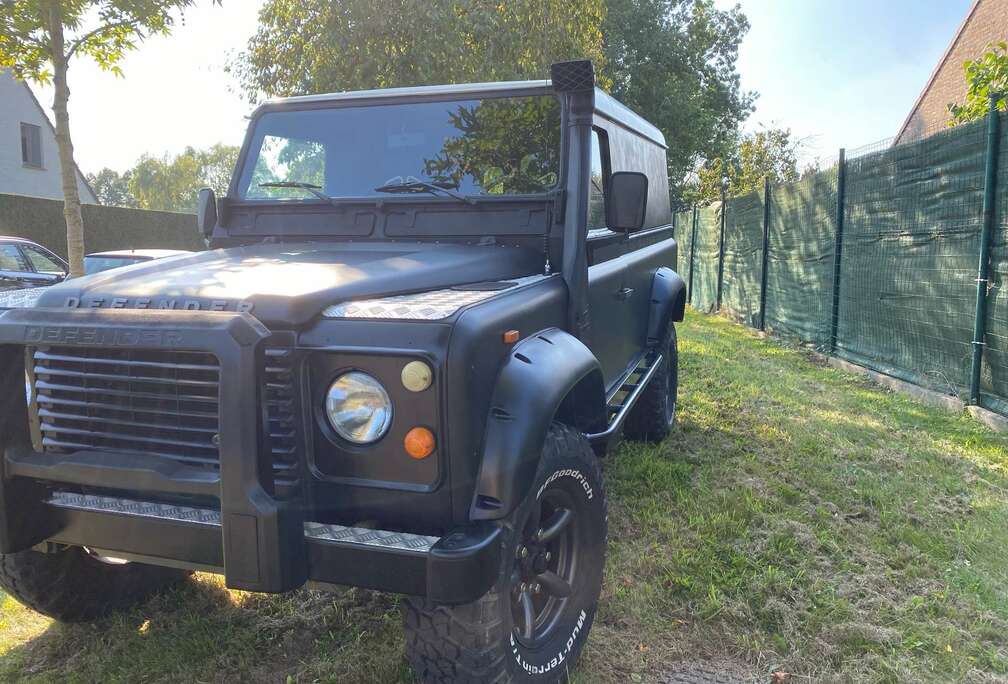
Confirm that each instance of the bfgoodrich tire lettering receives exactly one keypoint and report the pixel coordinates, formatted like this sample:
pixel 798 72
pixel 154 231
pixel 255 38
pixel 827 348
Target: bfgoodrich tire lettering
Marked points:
pixel 562 529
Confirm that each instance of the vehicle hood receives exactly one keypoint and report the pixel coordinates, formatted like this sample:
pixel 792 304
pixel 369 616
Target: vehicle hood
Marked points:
pixel 288 285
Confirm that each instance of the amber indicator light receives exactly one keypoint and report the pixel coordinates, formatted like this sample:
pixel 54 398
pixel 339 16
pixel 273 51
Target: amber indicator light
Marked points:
pixel 419 443
pixel 511 336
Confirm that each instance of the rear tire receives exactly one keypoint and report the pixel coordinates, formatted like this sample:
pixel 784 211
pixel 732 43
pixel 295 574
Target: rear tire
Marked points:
pixel 562 527
pixel 74 586
pixel 652 417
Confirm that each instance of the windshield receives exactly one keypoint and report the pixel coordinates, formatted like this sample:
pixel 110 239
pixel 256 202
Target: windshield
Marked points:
pixel 495 146
pixel 97 264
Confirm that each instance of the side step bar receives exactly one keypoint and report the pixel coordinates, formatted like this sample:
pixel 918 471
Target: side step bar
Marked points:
pixel 624 398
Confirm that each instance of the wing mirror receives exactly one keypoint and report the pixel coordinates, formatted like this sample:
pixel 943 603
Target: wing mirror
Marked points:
pixel 206 212
pixel 627 201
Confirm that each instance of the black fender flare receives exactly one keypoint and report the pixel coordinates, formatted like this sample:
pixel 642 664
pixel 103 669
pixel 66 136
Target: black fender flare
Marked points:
pixel 668 303
pixel 549 375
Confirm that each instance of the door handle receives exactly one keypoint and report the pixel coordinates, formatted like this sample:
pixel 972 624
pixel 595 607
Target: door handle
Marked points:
pixel 624 293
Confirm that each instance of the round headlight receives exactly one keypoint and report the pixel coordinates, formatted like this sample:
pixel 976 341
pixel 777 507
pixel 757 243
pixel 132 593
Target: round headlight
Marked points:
pixel 358 408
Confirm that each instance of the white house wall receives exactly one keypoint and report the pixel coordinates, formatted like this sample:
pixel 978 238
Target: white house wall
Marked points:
pixel 17 105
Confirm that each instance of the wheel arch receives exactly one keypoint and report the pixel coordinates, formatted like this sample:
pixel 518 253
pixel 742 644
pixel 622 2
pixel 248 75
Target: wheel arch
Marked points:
pixel 550 375
pixel 668 303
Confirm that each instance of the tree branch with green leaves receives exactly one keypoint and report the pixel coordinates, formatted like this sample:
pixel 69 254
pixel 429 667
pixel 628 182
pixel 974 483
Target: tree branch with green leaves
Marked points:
pixel 986 77
pixel 38 40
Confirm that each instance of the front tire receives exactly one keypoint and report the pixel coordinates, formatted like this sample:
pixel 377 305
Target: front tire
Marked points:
pixel 533 623
pixel 74 586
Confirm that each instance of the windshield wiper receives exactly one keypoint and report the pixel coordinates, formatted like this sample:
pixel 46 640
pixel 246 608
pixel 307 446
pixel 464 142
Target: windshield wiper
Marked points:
pixel 310 187
pixel 411 184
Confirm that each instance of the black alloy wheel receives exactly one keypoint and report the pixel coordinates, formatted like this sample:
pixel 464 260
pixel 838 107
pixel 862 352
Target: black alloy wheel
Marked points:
pixel 545 567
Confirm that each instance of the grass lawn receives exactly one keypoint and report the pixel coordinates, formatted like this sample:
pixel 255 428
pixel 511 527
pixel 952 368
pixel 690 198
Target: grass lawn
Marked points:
pixel 798 520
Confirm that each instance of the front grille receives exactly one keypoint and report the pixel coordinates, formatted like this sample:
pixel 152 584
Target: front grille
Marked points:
pixel 280 410
pixel 163 403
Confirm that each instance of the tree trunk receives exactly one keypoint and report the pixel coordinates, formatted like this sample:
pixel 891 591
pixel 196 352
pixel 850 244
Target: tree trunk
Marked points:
pixel 68 169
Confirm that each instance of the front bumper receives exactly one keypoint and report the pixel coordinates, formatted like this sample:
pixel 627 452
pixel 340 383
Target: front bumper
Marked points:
pixel 257 539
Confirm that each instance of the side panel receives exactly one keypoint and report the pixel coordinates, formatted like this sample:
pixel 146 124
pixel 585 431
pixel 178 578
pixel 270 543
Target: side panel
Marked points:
pixel 631 273
pixel 613 336
pixel 475 357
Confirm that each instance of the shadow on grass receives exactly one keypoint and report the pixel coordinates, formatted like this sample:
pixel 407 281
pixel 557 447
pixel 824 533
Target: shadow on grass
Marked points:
pixel 199 631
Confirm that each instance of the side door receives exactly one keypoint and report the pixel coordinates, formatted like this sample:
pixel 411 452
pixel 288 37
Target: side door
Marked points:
pixel 15 271
pixel 612 290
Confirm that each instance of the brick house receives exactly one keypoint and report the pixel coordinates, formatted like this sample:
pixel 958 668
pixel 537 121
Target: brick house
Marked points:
pixel 985 22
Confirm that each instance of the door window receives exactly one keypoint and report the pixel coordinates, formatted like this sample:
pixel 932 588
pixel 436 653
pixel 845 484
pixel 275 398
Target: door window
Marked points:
pixel 12 260
pixel 599 180
pixel 42 262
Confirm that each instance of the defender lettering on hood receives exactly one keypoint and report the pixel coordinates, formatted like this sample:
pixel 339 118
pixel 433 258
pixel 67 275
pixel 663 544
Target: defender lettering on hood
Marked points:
pixel 171 304
pixel 290 284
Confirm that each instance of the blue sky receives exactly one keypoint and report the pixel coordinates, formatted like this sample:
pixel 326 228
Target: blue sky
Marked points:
pixel 842 74
pixel 837 72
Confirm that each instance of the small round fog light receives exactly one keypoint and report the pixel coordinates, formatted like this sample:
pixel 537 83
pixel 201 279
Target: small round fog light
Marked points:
pixel 417 376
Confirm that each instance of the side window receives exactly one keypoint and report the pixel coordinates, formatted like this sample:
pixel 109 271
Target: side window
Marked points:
pixel 42 262
pixel 599 179
pixel 11 259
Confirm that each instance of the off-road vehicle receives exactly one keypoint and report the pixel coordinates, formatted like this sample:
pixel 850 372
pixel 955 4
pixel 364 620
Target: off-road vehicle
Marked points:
pixel 426 315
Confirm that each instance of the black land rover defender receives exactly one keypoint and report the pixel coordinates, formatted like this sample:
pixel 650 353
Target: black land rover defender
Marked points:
pixel 426 315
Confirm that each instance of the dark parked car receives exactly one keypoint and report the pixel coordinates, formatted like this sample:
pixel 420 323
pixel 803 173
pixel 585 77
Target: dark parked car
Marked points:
pixel 24 264
pixel 427 314
pixel 105 261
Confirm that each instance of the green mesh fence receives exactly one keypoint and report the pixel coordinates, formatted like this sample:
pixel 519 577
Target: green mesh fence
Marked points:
pixel 743 258
pixel 800 262
pixel 913 220
pixel 705 261
pixel 913 215
pixel 994 375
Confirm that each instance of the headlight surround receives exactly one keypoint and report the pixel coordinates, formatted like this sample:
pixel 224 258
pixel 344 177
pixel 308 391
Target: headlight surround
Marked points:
pixel 358 408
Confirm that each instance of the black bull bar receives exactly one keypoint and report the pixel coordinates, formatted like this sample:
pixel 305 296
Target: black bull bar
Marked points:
pixel 258 540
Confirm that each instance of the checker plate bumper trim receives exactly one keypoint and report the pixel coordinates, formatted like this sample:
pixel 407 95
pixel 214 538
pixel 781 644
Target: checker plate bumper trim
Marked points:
pixel 457 568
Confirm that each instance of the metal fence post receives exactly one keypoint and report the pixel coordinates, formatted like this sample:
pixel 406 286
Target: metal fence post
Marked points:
pixel 721 249
pixel 838 249
pixel 766 253
pixel 986 234
pixel 692 256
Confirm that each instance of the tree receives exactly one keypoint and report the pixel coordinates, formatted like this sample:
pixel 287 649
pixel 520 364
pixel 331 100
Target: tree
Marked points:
pixel 674 62
pixel 985 77
pixel 312 46
pixel 769 153
pixel 38 41
pixel 112 188
pixel 171 183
